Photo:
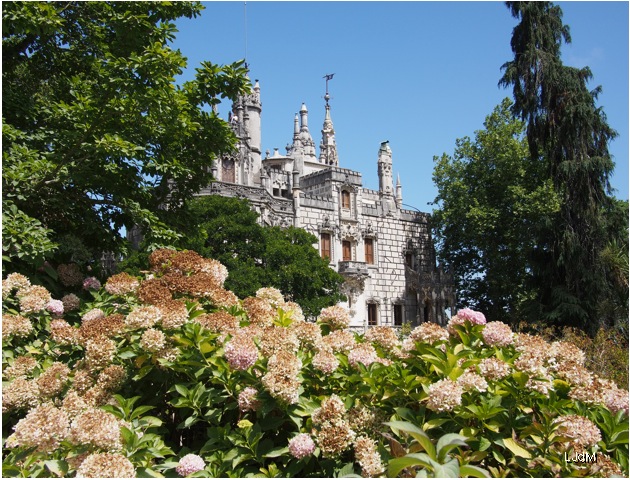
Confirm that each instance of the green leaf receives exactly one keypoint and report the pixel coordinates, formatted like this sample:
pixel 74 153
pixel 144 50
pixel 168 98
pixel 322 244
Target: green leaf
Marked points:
pixel 58 467
pixel 473 471
pixel 448 470
pixel 515 448
pixel 448 442
pixel 416 433
pixel 146 472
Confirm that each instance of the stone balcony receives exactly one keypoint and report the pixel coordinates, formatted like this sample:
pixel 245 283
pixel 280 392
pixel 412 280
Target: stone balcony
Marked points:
pixel 353 268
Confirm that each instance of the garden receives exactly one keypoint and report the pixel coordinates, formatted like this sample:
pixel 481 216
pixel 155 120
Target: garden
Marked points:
pixel 169 374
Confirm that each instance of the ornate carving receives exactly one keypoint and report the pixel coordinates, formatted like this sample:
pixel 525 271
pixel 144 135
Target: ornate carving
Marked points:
pixel 349 231
pixel 369 231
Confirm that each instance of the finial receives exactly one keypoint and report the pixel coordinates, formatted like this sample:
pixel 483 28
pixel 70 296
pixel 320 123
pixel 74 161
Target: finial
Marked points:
pixel 328 77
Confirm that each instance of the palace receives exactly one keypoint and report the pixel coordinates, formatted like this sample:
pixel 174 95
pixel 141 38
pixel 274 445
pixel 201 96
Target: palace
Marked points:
pixel 384 252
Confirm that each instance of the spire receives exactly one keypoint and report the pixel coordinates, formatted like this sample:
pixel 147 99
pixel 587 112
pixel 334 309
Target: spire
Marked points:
pixel 398 191
pixel 328 147
pixel 385 181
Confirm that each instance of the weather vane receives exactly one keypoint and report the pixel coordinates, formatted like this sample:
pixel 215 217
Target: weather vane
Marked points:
pixel 328 77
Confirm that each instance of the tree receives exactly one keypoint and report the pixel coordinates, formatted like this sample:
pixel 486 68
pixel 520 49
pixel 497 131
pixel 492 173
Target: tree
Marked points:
pixel 568 134
pixel 226 229
pixel 97 136
pixel 491 198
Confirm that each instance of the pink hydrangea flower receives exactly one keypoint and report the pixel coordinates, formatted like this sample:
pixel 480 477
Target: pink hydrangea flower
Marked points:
pixel 301 446
pixel 472 316
pixel 91 283
pixel 190 463
pixel 55 307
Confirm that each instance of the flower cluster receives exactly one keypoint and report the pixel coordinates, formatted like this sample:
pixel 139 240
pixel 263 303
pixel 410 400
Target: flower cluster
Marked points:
pixel 55 307
pixel 16 325
pixel 274 339
pixel 153 340
pixel 368 457
pixel 71 302
pixel 579 429
pixel 92 315
pixel 33 299
pixel 444 396
pixel 428 332
pixel 493 368
pixel 91 283
pixel 96 428
pixel 241 352
pixel 301 446
pixel 21 393
pixel 173 314
pixel 325 360
pixel 497 334
pixel 14 281
pixel 22 365
pixel 259 311
pixel 271 295
pixel 336 317
pixel 333 433
pixel 247 400
pixel 362 353
pixel 471 381
pixel 69 274
pixel 309 334
pixel 281 379
pixel 44 427
pixel 190 463
pixel 106 465
pixel 383 336
pixel 339 341
pixel 52 381
pixel 121 284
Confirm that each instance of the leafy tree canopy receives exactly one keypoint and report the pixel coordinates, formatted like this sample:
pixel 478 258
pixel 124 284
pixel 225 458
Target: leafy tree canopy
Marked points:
pixel 491 199
pixel 568 135
pixel 226 229
pixel 96 134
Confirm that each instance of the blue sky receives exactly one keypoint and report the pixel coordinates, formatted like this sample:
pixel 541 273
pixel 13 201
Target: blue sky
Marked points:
pixel 419 74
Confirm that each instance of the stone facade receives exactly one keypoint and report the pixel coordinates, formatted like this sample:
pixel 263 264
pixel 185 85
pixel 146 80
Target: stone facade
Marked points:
pixel 384 252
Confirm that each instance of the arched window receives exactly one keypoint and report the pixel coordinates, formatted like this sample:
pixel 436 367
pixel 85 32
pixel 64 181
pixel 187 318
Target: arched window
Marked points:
pixel 228 170
pixel 346 246
pixel 326 250
pixel 372 311
pixel 368 244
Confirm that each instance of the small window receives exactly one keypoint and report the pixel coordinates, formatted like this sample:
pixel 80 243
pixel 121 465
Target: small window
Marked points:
pixel 345 199
pixel 369 251
pixel 409 259
pixel 372 314
pixel 325 245
pixel 347 250
pixel 398 315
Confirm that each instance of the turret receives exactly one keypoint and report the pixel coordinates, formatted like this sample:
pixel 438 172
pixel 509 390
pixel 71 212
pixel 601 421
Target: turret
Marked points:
pixel 328 147
pixel 398 192
pixel 385 180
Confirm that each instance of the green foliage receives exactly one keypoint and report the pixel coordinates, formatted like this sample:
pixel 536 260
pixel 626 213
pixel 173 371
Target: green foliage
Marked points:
pixel 227 229
pixel 568 138
pixel 490 198
pixel 97 135
pixel 177 377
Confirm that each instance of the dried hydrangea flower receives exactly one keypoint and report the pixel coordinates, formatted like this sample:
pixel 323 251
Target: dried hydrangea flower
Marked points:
pixel 336 317
pixel 92 315
pixel 281 379
pixel 218 322
pixel 174 314
pixel 294 311
pixel 44 427
pixel 493 368
pixel 14 281
pixel 21 366
pixel 69 274
pixel 362 353
pixel 106 465
pixel 55 307
pixel 302 445
pixel 579 429
pixel 121 284
pixel 143 317
pixel 274 339
pixel 71 302
pixel 497 334
pixel 241 352
pixel 271 295
pixel 444 396
pixel 366 454
pixel 99 353
pixel 91 283
pixel 471 382
pixel 190 463
pixel 247 400
pixel 19 394
pixel 384 336
pixel 325 360
pixel 53 380
pixel 339 341
pixel 153 340
pixel 259 311
pixel 96 428
pixel 33 299
pixel 153 292
pixel 476 318
pixel 16 326
pixel 428 332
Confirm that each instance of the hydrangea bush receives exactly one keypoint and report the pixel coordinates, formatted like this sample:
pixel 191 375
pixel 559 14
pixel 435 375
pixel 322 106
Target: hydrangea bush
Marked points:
pixel 173 375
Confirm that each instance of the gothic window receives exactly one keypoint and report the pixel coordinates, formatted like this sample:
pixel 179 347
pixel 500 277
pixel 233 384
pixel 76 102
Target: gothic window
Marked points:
pixel 345 199
pixel 228 170
pixel 372 311
pixel 409 259
pixel 325 246
pixel 398 315
pixel 368 243
pixel 347 250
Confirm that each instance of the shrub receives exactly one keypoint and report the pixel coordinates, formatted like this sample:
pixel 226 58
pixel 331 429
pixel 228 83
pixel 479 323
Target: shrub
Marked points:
pixel 170 374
